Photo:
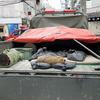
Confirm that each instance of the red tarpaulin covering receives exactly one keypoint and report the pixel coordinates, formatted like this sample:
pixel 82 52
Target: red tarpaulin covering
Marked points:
pixel 50 34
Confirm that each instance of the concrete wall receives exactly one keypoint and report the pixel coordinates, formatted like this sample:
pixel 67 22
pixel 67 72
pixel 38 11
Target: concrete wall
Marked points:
pixel 15 10
pixel 95 27
pixel 95 3
pixel 95 9
pixel 27 9
pixel 93 6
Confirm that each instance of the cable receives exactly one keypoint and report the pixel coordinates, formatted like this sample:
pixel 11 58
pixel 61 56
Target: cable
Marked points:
pixel 19 1
pixel 9 0
pixel 31 6
pixel 6 3
pixel 10 3
pixel 28 4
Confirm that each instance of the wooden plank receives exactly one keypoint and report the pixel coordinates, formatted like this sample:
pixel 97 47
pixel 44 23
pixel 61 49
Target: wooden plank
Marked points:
pixel 88 49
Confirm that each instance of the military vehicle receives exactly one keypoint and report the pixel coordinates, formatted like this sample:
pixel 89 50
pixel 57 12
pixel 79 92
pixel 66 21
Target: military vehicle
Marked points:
pixel 21 82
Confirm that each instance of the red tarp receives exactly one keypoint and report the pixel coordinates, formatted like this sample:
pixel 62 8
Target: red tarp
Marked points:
pixel 50 34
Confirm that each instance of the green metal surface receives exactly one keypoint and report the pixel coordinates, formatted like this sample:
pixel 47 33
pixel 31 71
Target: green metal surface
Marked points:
pixel 5 45
pixel 27 52
pixel 27 87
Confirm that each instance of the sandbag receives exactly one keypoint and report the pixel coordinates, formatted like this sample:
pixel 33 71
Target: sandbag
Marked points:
pixel 44 51
pixel 76 55
pixel 41 66
pixel 10 57
pixel 61 53
pixel 41 52
pixel 51 59
pixel 59 66
pixel 64 67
